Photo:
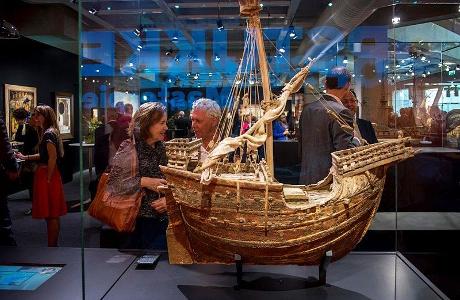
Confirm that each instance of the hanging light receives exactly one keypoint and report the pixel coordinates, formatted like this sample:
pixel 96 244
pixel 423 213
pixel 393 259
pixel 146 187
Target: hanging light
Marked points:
pixel 220 25
pixel 292 34
pixel 175 39
pixel 93 11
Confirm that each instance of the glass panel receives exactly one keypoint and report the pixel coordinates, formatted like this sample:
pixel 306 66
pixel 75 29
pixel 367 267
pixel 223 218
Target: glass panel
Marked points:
pixel 425 103
pixel 404 73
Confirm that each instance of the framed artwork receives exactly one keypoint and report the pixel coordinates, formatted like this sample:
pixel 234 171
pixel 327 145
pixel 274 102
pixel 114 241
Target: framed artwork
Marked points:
pixel 17 96
pixel 64 114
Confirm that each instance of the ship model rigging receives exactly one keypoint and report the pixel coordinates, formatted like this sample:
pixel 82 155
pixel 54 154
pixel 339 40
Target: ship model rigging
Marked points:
pixel 224 206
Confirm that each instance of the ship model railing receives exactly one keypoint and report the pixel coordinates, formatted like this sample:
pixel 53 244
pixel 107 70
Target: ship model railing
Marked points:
pixel 352 161
pixel 181 151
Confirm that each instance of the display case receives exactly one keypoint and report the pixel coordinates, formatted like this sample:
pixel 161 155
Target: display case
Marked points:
pixel 108 58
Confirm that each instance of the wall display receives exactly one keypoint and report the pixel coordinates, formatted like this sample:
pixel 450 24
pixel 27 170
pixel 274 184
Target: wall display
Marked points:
pixel 218 208
pixel 64 114
pixel 17 96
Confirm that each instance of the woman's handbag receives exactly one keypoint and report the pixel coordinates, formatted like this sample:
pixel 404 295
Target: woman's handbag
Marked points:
pixel 116 209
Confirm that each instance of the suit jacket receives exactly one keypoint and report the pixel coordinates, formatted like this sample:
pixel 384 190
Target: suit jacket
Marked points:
pixel 7 159
pixel 30 139
pixel 367 131
pixel 321 135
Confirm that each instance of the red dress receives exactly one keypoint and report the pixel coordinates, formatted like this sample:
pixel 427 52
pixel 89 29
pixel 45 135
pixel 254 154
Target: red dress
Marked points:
pixel 48 198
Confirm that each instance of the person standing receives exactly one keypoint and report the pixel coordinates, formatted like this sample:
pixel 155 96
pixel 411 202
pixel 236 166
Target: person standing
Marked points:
pixel 8 173
pixel 363 128
pixel 320 133
pixel 148 130
pixel 48 197
pixel 26 134
pixel 205 119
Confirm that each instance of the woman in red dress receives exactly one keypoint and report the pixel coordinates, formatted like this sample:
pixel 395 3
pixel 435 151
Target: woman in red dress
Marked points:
pixel 48 195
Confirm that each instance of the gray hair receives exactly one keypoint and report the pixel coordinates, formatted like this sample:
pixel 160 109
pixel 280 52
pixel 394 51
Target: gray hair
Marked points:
pixel 211 107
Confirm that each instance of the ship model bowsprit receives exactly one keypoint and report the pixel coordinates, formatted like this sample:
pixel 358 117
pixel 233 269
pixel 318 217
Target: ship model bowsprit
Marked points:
pixel 224 206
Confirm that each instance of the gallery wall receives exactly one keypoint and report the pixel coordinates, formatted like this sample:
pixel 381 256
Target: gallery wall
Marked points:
pixel 30 63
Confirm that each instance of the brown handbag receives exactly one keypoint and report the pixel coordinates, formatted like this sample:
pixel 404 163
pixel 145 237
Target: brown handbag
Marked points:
pixel 117 211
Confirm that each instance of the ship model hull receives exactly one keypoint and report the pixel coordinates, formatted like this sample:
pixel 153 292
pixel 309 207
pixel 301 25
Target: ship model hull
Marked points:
pixel 263 224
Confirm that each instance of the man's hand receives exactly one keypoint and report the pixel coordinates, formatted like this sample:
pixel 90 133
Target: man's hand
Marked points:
pixel 159 205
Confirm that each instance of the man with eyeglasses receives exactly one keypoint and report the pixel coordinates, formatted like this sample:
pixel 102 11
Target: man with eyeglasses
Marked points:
pixel 363 128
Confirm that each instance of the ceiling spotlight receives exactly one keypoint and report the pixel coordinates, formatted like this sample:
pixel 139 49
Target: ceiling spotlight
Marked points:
pixel 210 74
pixel 92 11
pixel 216 58
pixel 169 80
pixel 422 57
pixel 262 5
pixel 176 58
pixel 396 20
pixel 329 4
pixel 282 50
pixel 292 34
pixel 137 31
pixel 457 68
pixel 168 52
pixel 220 25
pixel 8 31
pixel 139 47
pixel 175 39
pixel 424 74
pixel 196 76
pixel 345 60
pixel 176 6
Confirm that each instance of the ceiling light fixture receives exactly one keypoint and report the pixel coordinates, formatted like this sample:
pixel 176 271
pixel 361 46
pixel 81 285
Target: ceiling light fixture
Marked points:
pixel 345 60
pixel 292 34
pixel 216 57
pixel 8 31
pixel 93 11
pixel 396 20
pixel 220 25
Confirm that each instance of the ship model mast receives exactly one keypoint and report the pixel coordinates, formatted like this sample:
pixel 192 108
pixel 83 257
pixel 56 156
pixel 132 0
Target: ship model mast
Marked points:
pixel 251 9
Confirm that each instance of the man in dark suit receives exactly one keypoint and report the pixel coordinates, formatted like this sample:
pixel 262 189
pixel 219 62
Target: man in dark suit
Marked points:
pixel 8 172
pixel 363 128
pixel 320 133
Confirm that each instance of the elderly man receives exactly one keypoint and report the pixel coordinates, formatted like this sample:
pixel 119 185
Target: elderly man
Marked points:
pixel 322 134
pixel 205 118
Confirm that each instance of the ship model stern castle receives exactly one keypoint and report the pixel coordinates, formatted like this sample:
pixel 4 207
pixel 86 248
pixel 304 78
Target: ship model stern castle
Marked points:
pixel 225 207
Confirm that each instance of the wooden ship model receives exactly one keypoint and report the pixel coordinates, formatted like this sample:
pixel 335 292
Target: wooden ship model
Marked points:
pixel 220 208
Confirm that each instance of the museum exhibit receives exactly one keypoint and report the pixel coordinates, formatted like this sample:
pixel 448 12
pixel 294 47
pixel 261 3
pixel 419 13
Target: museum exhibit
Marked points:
pixel 232 149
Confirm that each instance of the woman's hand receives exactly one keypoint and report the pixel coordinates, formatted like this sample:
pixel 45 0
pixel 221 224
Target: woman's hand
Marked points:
pixel 159 205
pixel 153 183
pixel 21 156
